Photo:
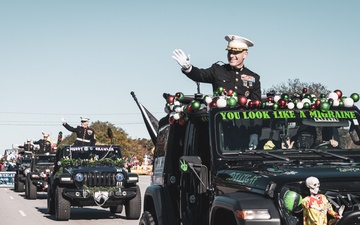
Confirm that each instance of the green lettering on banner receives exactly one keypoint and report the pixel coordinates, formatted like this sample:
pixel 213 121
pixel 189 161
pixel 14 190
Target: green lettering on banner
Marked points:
pixel 244 178
pixel 302 115
pixel 287 114
pixel 284 114
pixel 223 115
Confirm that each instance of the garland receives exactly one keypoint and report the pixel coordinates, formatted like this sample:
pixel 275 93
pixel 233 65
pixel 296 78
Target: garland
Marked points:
pixel 91 163
pixel 179 112
pixel 92 190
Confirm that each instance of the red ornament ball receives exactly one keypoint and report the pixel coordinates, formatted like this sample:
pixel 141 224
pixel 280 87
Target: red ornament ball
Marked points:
pixel 242 100
pixel 170 99
pixel 339 93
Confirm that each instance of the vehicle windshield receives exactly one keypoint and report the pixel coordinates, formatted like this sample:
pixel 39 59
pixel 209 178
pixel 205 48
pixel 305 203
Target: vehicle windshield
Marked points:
pixel 286 129
pixel 93 152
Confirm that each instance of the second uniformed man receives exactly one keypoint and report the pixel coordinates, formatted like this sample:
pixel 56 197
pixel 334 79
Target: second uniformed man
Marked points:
pixel 232 76
pixel 85 136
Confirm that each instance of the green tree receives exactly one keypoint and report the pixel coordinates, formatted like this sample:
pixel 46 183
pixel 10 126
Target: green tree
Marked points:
pixel 296 86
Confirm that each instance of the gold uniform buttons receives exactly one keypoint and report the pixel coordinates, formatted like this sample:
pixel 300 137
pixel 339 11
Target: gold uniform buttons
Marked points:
pixel 236 87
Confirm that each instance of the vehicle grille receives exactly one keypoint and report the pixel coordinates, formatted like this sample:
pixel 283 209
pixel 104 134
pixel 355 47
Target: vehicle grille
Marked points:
pixel 99 179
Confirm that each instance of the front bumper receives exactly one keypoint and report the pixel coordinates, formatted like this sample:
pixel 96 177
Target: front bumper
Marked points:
pixel 105 198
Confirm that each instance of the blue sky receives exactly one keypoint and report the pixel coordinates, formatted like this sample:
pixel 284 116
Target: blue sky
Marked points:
pixel 83 58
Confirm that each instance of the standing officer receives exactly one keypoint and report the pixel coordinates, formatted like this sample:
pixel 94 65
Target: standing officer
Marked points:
pixel 85 136
pixel 44 144
pixel 232 76
pixel 28 146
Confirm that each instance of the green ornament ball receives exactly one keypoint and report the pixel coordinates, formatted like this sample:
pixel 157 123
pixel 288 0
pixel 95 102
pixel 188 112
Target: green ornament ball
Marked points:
pixel 195 105
pixel 231 102
pixel 275 106
pixel 325 106
pixel 355 97
pixel 285 96
pixel 220 90
pixel 306 105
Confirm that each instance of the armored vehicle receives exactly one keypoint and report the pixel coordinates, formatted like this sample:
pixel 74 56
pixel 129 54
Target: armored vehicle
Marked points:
pixel 223 159
pixel 92 176
pixel 22 167
pixel 41 167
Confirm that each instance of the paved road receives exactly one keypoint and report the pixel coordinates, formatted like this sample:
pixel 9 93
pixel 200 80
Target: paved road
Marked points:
pixel 16 210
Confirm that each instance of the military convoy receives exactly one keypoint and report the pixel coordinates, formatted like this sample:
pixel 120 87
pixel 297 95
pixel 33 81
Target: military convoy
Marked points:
pixel 92 176
pixel 206 172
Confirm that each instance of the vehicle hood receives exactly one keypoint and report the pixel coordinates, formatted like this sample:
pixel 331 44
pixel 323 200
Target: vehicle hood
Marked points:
pixel 332 177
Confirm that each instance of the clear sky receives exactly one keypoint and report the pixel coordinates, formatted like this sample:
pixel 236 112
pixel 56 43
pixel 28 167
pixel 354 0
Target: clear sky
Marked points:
pixel 75 58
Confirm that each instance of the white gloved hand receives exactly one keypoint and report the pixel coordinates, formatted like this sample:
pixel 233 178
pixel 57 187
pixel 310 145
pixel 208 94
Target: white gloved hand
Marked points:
pixel 63 120
pixel 182 59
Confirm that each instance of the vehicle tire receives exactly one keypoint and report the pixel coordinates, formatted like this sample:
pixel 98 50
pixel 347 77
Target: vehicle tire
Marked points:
pixel 147 219
pixel 21 185
pixel 133 206
pixel 50 202
pixel 62 206
pixel 26 188
pixel 16 183
pixel 32 189
pixel 116 209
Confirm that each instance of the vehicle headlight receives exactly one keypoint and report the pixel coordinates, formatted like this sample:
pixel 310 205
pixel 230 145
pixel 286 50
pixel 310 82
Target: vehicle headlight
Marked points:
pixel 79 177
pixel 255 214
pixel 119 177
pixel 26 171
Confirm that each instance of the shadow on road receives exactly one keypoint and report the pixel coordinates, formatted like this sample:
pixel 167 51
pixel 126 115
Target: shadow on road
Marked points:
pixel 88 213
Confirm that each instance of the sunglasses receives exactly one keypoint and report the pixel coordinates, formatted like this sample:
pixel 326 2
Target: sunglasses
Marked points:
pixel 233 52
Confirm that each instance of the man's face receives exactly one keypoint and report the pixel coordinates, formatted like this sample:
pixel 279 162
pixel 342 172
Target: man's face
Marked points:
pixel 84 123
pixel 236 58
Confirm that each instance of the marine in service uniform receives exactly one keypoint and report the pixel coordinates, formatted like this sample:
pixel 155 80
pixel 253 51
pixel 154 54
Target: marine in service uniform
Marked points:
pixel 232 76
pixel 85 136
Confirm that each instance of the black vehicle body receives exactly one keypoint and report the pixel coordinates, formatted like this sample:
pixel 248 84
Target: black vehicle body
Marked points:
pixel 92 176
pixel 23 162
pixel 41 166
pixel 205 173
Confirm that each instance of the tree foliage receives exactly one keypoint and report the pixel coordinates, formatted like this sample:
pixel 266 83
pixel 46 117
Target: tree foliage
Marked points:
pixel 137 147
pixel 292 87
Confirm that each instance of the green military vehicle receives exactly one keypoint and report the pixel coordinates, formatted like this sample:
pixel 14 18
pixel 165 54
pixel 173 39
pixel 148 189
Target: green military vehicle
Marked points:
pixel 223 159
pixel 92 176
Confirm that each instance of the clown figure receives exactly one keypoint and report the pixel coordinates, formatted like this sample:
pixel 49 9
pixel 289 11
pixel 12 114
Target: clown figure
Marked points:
pixel 316 206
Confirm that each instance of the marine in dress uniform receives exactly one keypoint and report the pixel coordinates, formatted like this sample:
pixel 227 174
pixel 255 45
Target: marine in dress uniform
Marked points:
pixel 45 144
pixel 234 75
pixel 85 136
pixel 28 146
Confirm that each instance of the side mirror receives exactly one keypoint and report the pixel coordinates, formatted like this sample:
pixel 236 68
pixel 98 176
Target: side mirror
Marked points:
pixel 188 163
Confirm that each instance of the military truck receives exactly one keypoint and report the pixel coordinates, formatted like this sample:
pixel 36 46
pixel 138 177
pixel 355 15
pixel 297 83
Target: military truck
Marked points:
pixel 41 166
pixel 223 159
pixel 22 167
pixel 92 176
